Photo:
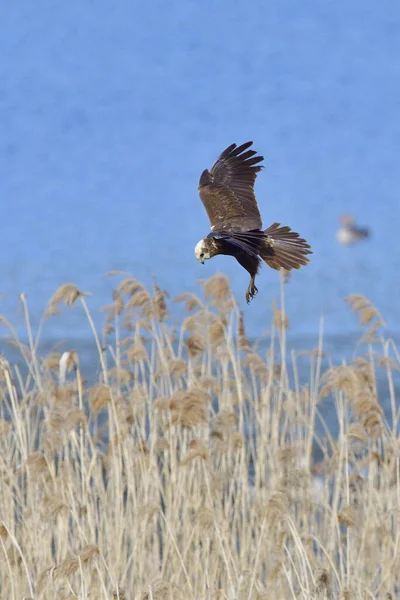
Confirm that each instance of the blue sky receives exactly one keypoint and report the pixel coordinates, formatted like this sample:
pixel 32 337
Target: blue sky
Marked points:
pixel 110 111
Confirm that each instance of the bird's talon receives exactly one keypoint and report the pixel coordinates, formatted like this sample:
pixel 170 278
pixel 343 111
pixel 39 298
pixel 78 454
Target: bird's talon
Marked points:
pixel 251 293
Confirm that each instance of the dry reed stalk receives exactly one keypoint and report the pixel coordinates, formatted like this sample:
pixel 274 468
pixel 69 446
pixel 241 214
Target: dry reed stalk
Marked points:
pixel 368 315
pixel 243 341
pixel 191 301
pixel 189 407
pixel 195 345
pixel 100 396
pixel 197 481
pixel 285 275
pixel 142 300
pixel 196 450
pixel 177 367
pixel 68 294
pixel 217 289
pixel 160 304
pixel 138 353
pixel 280 319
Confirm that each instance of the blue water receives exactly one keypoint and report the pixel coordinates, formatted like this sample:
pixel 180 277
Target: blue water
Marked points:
pixel 109 111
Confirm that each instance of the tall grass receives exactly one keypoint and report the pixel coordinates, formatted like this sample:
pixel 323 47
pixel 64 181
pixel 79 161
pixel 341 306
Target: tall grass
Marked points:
pixel 187 471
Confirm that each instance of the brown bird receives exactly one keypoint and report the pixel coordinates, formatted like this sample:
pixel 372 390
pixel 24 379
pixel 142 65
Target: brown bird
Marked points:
pixel 227 192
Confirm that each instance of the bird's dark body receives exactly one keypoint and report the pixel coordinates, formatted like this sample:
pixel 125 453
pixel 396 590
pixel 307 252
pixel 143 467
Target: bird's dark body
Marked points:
pixel 227 192
pixel 249 261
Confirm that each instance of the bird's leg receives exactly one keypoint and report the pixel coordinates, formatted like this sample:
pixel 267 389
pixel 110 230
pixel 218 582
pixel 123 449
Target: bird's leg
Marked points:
pixel 251 290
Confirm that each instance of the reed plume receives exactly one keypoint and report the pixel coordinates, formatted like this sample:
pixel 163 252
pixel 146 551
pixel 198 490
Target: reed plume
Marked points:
pixel 190 462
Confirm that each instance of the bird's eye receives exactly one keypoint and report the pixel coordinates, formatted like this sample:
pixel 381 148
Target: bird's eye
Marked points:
pixel 202 255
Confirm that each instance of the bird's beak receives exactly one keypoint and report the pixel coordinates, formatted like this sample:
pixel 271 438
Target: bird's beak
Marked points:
pixel 202 262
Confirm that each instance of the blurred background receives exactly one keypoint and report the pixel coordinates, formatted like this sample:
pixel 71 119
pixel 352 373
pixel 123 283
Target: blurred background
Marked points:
pixel 109 112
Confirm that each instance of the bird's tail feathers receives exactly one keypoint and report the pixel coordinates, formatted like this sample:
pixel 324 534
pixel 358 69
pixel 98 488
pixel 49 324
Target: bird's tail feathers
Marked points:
pixel 284 248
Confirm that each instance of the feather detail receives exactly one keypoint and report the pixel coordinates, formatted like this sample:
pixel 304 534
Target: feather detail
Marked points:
pixel 227 191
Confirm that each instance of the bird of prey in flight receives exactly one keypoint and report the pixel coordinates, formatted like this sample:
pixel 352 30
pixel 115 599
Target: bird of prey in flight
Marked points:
pixel 227 192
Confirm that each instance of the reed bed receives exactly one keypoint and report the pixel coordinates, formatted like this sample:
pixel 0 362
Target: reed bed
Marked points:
pixel 188 470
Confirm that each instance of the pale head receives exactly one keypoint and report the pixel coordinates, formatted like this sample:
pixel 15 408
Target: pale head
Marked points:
pixel 202 250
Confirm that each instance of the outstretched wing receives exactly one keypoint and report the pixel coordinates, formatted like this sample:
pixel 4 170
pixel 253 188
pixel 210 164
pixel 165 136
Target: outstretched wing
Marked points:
pixel 227 191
